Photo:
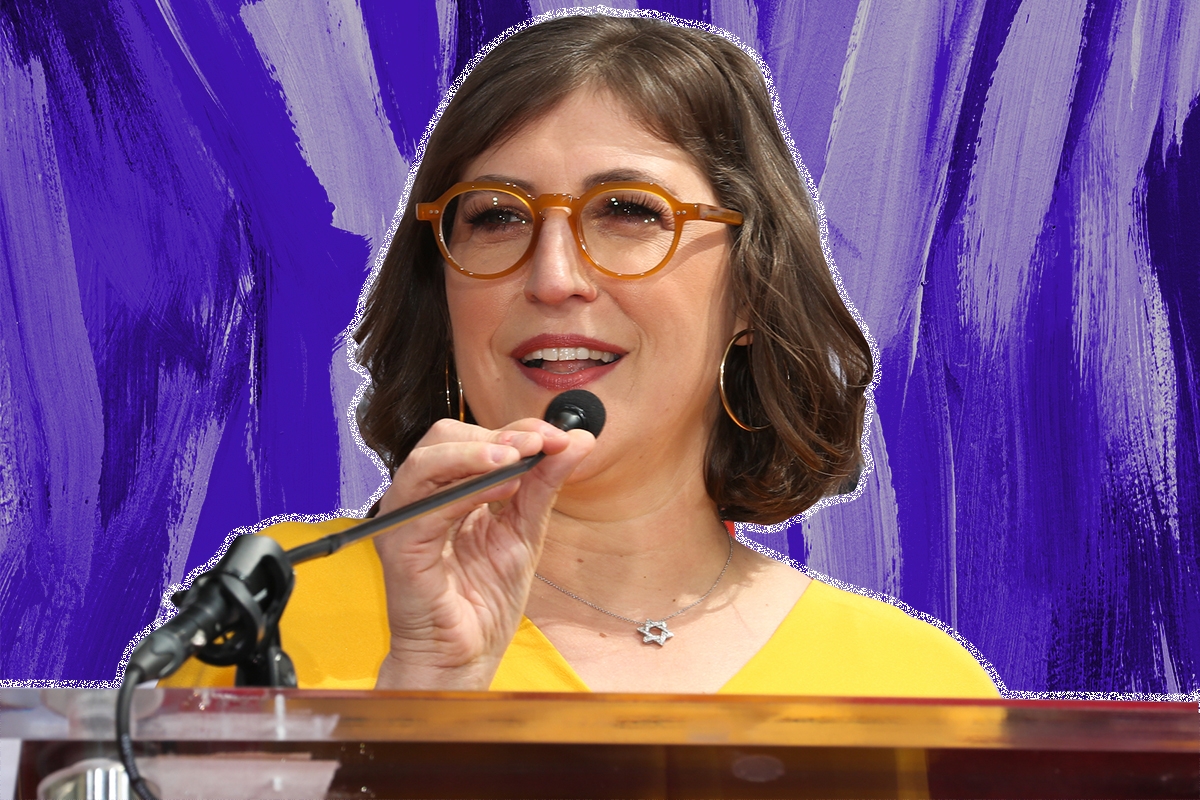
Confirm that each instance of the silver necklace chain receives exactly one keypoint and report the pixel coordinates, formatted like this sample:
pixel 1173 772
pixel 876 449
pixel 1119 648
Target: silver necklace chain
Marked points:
pixel 647 628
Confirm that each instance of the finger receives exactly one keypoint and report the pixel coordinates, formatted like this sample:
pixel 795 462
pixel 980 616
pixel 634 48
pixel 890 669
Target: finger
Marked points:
pixel 539 488
pixel 531 436
pixel 451 430
pixel 538 437
pixel 428 469
pixel 434 466
pixel 432 463
pixel 420 543
pixel 442 522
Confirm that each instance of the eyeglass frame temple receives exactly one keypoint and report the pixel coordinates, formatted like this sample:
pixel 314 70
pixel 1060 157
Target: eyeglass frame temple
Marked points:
pixel 432 213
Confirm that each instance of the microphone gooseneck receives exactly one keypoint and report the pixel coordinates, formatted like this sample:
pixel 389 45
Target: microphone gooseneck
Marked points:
pixel 576 409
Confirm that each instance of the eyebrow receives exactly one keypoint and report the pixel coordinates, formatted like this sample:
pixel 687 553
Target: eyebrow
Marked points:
pixel 621 174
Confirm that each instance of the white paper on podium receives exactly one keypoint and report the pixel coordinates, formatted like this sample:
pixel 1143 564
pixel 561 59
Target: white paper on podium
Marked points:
pixel 10 753
pixel 240 776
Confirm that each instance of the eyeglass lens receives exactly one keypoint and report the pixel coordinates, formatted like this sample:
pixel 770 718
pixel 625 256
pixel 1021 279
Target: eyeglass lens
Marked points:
pixel 625 231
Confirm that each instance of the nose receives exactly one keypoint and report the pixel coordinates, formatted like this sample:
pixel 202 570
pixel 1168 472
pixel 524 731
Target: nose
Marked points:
pixel 558 270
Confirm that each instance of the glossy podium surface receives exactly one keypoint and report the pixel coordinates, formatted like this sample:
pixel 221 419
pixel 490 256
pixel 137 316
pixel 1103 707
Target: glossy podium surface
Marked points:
pixel 407 744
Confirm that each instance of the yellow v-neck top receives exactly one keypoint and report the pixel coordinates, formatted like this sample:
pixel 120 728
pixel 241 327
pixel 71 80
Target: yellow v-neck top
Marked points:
pixel 832 642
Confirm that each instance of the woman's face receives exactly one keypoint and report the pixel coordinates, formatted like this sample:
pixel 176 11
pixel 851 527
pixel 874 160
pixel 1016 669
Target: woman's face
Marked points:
pixel 659 339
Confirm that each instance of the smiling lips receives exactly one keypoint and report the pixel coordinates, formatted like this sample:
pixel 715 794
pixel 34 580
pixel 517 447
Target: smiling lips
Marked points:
pixel 559 362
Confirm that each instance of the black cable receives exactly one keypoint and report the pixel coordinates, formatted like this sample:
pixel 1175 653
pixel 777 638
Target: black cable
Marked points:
pixel 133 676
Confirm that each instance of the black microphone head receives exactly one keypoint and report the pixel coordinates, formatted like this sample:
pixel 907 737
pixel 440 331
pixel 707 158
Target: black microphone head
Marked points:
pixel 577 408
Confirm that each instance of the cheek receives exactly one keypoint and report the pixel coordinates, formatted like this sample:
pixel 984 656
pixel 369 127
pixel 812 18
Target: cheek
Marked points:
pixel 477 311
pixel 694 305
pixel 476 308
pixel 687 319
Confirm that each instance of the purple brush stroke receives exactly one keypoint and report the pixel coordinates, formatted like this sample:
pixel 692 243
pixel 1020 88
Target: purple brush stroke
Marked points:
pixel 193 302
pixel 805 46
pixel 1146 534
pixel 282 440
pixel 48 481
pixel 481 21
pixel 1171 208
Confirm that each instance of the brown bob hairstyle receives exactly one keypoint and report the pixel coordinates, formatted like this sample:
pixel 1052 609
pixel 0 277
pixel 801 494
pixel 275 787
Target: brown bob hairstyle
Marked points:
pixel 807 370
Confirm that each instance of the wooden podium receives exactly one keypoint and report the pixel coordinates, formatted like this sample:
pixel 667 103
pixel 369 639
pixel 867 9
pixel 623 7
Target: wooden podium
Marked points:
pixel 271 743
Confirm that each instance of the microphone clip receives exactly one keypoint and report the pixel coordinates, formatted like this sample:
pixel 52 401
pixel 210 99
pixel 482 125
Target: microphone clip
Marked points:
pixel 244 596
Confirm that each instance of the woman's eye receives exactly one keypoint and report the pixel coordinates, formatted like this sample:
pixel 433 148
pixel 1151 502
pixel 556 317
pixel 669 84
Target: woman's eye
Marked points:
pixel 488 219
pixel 632 211
pixel 495 217
pixel 616 208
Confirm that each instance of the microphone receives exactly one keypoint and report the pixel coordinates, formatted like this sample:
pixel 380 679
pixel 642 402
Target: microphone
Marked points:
pixel 576 409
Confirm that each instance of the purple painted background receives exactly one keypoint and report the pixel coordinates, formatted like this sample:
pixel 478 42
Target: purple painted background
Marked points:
pixel 192 194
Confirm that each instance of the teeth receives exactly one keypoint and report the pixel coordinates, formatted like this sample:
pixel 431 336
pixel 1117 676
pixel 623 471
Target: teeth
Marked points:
pixel 569 354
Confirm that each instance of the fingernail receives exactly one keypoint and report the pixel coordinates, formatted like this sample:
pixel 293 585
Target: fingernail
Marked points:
pixel 498 454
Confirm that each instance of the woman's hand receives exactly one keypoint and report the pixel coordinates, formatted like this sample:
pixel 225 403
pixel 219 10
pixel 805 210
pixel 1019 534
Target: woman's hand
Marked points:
pixel 457 579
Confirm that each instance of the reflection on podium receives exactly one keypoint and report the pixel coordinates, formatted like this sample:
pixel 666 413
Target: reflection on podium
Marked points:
pixel 234 743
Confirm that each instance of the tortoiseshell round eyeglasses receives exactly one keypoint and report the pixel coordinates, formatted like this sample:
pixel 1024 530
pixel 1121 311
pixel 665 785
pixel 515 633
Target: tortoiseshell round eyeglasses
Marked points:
pixel 626 230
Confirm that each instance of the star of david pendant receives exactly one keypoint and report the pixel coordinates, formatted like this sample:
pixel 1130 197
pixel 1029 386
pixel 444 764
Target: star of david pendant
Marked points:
pixel 659 638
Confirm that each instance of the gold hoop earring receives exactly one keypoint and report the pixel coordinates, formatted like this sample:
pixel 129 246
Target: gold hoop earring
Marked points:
pixel 462 406
pixel 721 386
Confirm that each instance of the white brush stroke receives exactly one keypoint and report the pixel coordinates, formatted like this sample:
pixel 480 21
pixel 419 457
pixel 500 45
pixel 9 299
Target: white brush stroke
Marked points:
pixel 1180 38
pixel 1016 163
pixel 447 16
pixel 58 369
pixel 739 18
pixel 168 14
pixel 860 541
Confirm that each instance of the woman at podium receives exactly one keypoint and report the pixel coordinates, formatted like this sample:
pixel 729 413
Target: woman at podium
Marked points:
pixel 607 203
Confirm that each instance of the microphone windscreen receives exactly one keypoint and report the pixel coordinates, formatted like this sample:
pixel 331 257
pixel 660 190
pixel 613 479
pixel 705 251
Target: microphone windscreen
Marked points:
pixel 577 408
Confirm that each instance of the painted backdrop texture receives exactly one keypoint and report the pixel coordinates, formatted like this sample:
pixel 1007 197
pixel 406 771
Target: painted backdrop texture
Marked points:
pixel 192 195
